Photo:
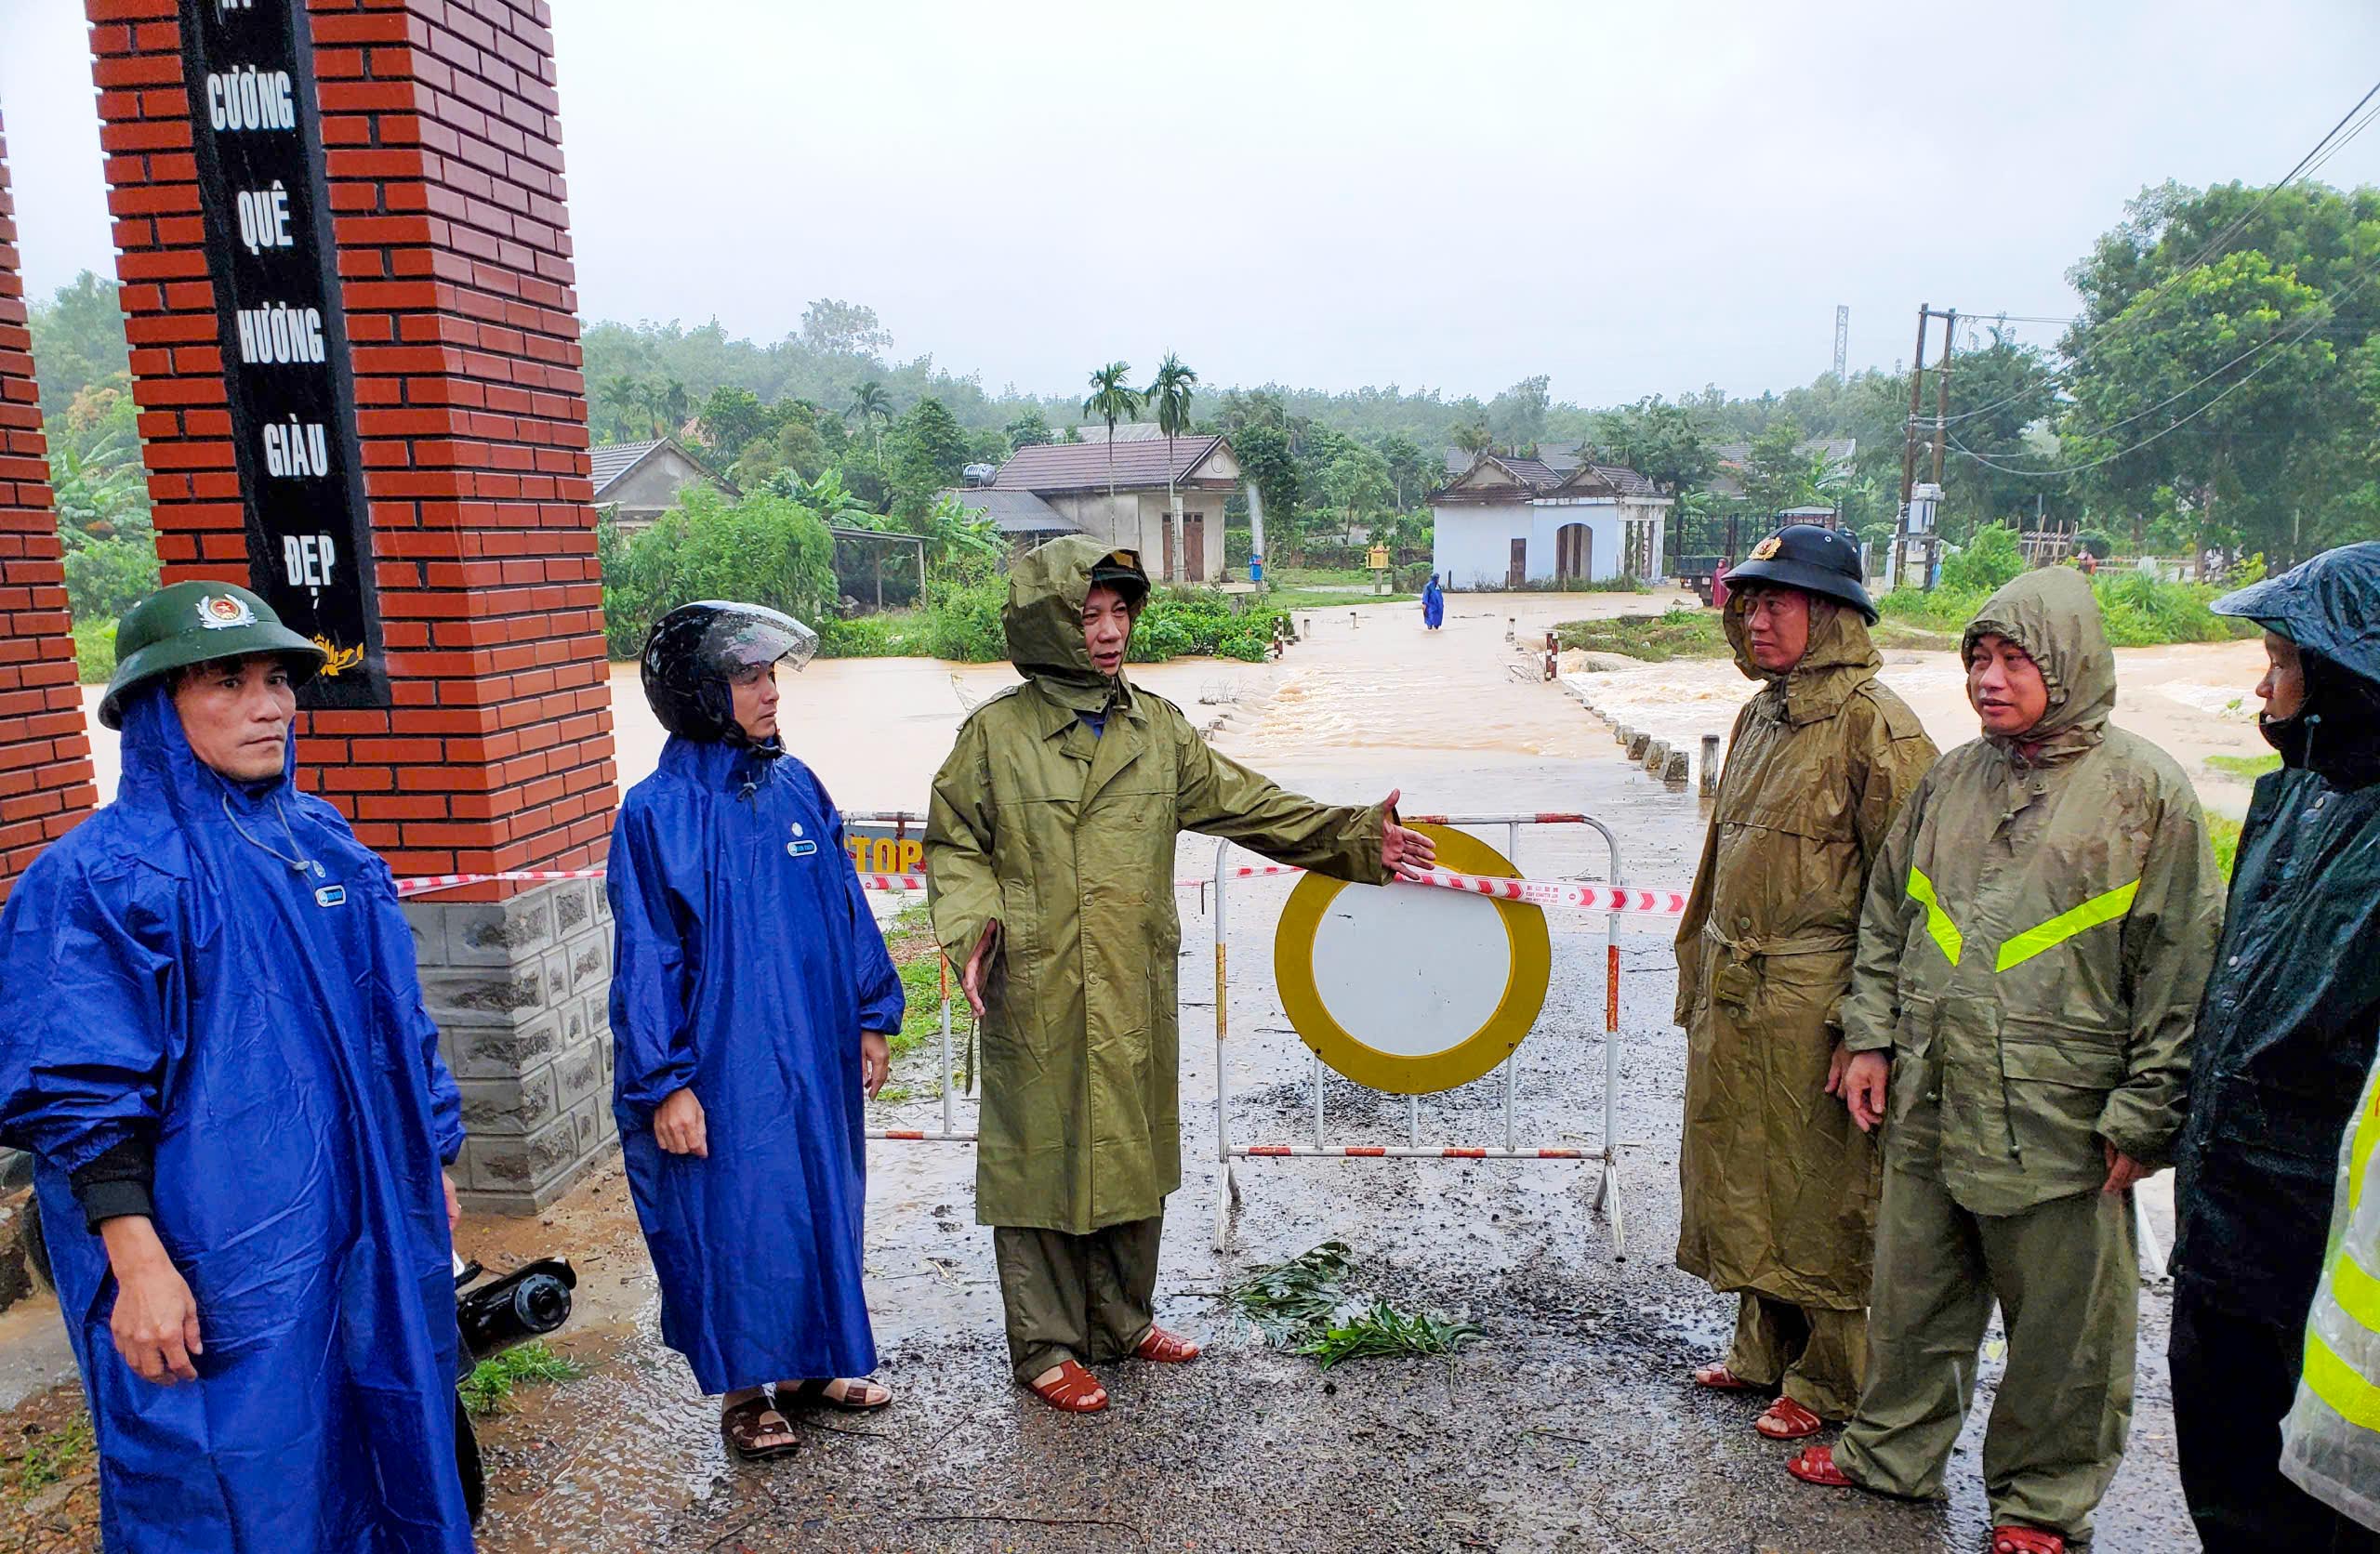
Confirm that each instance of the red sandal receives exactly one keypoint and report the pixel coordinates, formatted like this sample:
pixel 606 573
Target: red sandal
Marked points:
pixel 1165 1349
pixel 1814 1465
pixel 1074 1391
pixel 1721 1379
pixel 2016 1538
pixel 1788 1420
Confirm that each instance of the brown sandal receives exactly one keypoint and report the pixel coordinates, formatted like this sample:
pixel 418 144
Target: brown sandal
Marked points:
pixel 746 1422
pixel 1075 1391
pixel 1165 1349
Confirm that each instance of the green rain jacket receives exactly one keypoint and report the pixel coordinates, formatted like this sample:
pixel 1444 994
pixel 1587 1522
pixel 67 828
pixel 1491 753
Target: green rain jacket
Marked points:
pixel 2036 934
pixel 1067 839
pixel 1779 1189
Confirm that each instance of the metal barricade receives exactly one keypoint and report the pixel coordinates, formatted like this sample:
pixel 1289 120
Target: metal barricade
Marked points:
pixel 1227 1195
pixel 949 1134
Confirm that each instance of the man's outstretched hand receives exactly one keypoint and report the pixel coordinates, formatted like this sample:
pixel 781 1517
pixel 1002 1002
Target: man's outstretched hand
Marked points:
pixel 1406 852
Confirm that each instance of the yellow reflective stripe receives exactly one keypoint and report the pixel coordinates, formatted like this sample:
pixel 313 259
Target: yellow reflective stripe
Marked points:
pixel 2367 1138
pixel 2066 925
pixel 1938 922
pixel 2356 1292
pixel 2336 1383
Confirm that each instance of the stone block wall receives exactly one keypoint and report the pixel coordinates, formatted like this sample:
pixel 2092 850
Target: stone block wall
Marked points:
pixel 520 989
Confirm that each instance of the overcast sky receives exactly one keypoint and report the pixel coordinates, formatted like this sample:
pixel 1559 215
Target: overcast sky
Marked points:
pixel 1634 199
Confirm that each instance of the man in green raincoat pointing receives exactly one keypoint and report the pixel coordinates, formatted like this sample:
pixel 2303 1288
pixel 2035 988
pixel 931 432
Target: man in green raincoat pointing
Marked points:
pixel 2037 930
pixel 1049 870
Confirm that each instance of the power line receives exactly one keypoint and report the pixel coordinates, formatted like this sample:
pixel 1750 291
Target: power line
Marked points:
pixel 2322 150
pixel 2163 431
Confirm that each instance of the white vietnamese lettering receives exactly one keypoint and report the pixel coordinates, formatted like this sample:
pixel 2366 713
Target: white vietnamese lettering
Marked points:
pixel 250 98
pixel 297 450
pixel 264 218
pixel 278 332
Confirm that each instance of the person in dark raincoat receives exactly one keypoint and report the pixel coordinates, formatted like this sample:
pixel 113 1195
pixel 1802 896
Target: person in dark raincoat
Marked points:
pixel 1434 604
pixel 1050 867
pixel 751 1003
pixel 2286 1032
pixel 213 1042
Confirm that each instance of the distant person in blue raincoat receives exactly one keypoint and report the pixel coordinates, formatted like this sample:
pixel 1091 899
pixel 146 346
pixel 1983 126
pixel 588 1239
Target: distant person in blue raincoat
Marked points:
pixel 212 1040
pixel 1434 604
pixel 752 1000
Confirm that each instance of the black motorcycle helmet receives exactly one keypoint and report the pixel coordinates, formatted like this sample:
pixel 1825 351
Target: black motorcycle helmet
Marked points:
pixel 1815 560
pixel 697 651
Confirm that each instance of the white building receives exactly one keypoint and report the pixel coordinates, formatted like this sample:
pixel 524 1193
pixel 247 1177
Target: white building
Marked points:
pixel 1507 521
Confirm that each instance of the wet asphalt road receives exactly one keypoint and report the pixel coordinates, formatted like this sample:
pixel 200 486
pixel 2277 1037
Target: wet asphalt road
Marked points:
pixel 1570 1426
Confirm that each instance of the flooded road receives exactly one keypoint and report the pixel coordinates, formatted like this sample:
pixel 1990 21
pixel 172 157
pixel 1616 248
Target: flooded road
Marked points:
pixel 1570 1426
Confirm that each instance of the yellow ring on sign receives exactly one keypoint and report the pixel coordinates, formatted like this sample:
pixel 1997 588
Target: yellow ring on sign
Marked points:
pixel 1515 1012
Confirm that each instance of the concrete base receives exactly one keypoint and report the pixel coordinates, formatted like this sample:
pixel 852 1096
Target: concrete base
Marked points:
pixel 520 991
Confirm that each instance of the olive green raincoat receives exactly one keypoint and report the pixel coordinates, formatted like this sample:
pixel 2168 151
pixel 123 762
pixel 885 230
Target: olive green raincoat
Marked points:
pixel 1068 841
pixel 1779 1190
pixel 2037 933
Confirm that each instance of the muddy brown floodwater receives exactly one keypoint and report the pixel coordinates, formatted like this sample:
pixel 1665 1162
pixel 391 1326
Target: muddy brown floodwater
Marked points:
pixel 1569 1426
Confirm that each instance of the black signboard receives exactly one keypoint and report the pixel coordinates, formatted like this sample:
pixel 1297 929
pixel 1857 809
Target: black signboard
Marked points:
pixel 258 132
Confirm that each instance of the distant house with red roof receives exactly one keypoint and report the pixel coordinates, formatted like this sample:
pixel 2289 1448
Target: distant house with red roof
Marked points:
pixel 1064 488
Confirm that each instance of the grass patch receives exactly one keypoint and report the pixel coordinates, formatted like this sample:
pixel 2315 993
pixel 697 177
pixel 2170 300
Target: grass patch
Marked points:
pixel 2138 610
pixel 2223 833
pixel 1301 1305
pixel 2247 769
pixel 95 651
pixel 1678 633
pixel 51 1456
pixel 1296 603
pixel 917 957
pixel 488 1389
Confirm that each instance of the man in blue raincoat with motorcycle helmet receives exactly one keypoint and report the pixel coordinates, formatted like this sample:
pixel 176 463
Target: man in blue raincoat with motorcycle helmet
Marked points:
pixel 751 1002
pixel 213 1043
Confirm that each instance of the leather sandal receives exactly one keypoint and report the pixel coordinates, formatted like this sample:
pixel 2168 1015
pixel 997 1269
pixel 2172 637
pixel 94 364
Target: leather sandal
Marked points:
pixel 1719 1379
pixel 1814 1465
pixel 2017 1538
pixel 746 1422
pixel 857 1397
pixel 1788 1420
pixel 1165 1349
pixel 1073 1390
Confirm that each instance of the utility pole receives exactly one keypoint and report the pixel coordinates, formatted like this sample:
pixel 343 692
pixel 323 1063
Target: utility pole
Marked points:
pixel 1842 341
pixel 1942 392
pixel 1908 448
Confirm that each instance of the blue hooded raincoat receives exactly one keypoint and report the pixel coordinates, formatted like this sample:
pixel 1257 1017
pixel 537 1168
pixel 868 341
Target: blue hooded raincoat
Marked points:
pixel 747 964
pixel 164 976
pixel 1434 605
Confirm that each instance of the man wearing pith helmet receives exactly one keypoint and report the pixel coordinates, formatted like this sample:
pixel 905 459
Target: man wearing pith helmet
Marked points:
pixel 2034 940
pixel 1779 1189
pixel 212 1041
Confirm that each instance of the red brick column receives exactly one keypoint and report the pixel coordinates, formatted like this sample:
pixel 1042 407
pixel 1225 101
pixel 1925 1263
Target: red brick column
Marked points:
pixel 45 752
pixel 442 151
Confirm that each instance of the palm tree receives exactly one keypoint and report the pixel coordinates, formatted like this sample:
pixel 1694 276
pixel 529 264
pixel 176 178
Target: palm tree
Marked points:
pixel 619 393
pixel 1112 399
pixel 1170 393
pixel 872 404
pixel 675 404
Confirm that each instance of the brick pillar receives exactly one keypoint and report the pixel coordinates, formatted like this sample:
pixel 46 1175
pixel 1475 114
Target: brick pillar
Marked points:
pixel 45 751
pixel 443 154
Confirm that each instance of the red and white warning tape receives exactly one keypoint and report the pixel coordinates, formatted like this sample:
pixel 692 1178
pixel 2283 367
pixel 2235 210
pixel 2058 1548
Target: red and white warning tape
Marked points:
pixel 1396 1151
pixel 1562 895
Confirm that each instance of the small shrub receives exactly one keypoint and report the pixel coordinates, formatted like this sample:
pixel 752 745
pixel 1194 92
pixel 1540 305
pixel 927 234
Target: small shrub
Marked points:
pixel 94 650
pixel 1990 559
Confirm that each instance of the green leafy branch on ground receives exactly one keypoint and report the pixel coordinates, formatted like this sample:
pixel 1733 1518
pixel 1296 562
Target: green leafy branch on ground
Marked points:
pixel 1300 1305
pixel 51 1456
pixel 488 1389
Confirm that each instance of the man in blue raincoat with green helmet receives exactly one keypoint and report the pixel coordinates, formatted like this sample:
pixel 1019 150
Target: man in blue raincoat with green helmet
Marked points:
pixel 213 1043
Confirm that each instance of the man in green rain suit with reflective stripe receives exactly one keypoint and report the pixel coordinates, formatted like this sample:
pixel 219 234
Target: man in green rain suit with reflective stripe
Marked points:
pixel 1049 870
pixel 2037 931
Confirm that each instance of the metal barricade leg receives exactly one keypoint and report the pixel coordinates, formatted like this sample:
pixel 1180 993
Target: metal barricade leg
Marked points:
pixel 1227 1190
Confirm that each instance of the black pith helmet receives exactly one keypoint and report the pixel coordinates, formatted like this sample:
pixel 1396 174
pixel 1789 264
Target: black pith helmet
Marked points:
pixel 1121 571
pixel 1813 559
pixel 695 652
pixel 185 624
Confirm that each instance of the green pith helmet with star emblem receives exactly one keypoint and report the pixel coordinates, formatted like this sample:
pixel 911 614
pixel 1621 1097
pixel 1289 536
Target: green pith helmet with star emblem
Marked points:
pixel 196 622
